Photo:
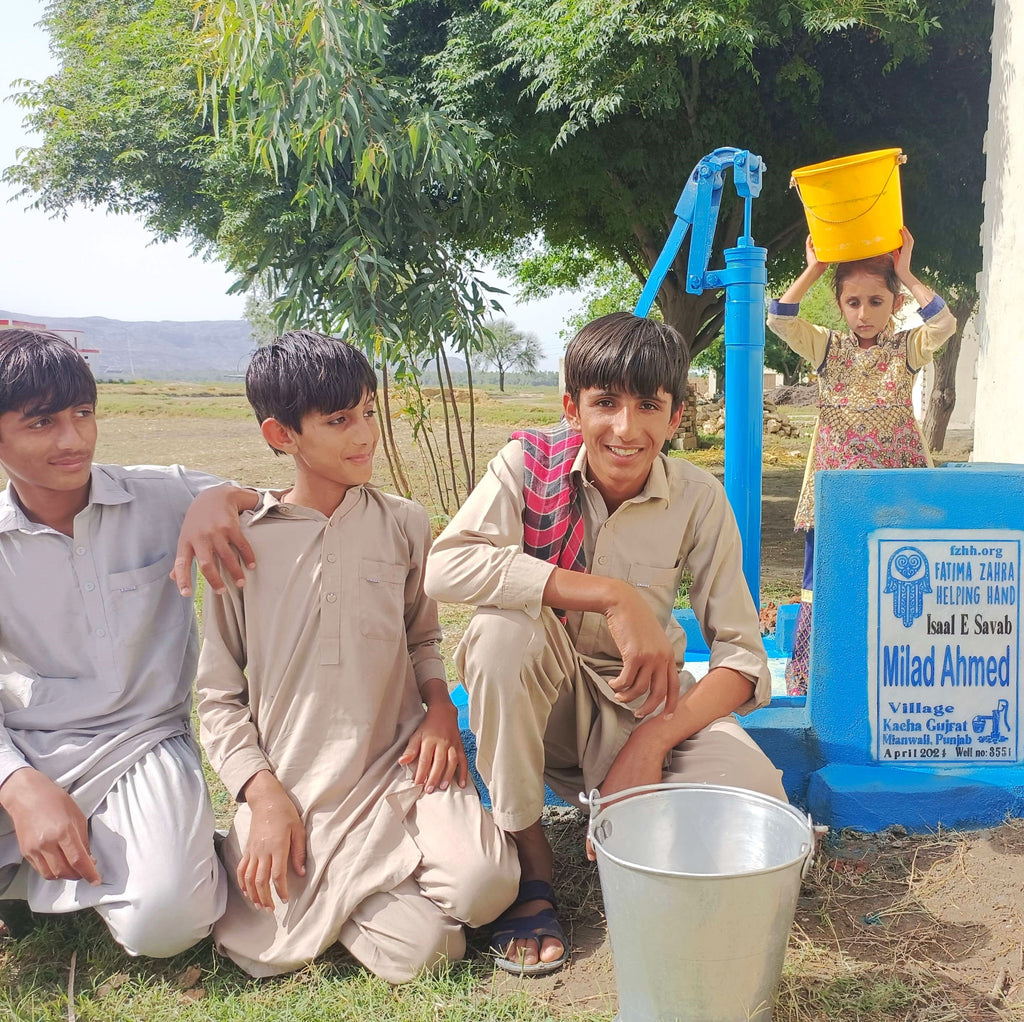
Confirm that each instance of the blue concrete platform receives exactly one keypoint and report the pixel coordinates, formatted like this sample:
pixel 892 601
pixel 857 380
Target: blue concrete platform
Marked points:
pixel 914 715
pixel 870 798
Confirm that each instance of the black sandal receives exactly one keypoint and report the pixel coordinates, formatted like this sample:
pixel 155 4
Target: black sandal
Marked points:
pixel 533 927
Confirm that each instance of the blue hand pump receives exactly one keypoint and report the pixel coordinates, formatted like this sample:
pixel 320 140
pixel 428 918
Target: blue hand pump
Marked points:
pixel 744 279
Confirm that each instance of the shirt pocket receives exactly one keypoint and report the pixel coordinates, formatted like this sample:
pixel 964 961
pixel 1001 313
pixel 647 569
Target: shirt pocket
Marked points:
pixel 145 602
pixel 657 585
pixel 382 599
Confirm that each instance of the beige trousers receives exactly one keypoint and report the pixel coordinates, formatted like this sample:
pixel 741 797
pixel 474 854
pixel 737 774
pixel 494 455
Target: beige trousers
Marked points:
pixel 465 878
pixel 467 875
pixel 541 713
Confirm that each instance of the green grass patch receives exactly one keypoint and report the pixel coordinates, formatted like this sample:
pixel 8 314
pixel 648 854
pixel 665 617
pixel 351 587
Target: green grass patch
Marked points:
pixel 199 986
pixel 157 404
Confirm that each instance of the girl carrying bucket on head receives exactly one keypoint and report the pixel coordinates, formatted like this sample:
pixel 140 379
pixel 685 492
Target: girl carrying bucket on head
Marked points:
pixel 865 378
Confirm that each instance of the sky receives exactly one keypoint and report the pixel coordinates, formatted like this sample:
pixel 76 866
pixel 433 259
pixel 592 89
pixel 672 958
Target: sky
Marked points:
pixel 96 264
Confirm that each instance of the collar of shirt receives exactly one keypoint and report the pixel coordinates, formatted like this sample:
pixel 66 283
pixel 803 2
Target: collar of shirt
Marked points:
pixel 656 487
pixel 103 489
pixel 273 505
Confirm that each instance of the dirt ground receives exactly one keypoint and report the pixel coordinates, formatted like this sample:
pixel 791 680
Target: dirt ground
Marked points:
pixel 927 928
pixel 924 928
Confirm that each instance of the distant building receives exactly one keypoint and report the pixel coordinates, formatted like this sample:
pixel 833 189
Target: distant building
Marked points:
pixel 20 324
pixel 73 337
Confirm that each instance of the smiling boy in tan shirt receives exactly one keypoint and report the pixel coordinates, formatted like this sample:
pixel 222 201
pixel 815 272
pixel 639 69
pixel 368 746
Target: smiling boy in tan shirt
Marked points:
pixel 572 547
pixel 324 708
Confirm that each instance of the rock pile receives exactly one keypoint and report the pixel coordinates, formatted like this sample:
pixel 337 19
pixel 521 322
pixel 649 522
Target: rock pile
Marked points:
pixel 711 420
pixel 804 395
pixel 685 438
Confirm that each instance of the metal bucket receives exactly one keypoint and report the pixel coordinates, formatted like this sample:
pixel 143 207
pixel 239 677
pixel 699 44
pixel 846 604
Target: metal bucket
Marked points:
pixel 700 884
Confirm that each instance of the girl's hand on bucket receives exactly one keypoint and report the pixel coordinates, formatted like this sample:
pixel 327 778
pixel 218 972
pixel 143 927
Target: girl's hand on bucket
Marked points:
pixel 922 293
pixel 901 257
pixel 814 264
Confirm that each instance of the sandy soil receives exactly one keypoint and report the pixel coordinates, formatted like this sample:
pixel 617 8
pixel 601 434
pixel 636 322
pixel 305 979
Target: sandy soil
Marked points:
pixel 938 918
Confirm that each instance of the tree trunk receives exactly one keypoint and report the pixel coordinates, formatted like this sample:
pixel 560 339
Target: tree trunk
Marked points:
pixel 458 421
pixel 391 452
pixel 447 427
pixel 472 420
pixel 501 380
pixel 943 393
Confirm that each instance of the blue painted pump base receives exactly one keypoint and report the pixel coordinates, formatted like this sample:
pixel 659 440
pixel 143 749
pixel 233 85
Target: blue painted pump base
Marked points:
pixel 887 653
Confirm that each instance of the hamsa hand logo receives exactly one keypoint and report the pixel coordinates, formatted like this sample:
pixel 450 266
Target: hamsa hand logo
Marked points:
pixel 908 578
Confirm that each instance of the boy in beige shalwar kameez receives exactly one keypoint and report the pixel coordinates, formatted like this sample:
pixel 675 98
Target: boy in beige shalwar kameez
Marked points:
pixel 312 683
pixel 572 547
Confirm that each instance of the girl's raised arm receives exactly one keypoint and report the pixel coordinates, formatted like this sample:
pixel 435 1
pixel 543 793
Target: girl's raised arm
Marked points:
pixel 901 257
pixel 802 284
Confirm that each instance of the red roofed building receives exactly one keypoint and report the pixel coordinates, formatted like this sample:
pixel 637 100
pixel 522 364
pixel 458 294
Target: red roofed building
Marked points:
pixel 73 337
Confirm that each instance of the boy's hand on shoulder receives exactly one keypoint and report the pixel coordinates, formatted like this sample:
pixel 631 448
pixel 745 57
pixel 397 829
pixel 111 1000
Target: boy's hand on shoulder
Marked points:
pixel 436 745
pixel 212 535
pixel 52 832
pixel 648 659
pixel 277 839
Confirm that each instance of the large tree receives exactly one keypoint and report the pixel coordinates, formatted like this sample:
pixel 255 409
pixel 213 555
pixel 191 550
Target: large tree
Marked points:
pixel 574 121
pixel 603 107
pixel 506 349
pixel 275 137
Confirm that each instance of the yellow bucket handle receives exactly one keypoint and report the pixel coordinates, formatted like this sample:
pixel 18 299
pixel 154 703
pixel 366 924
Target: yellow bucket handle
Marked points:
pixel 793 183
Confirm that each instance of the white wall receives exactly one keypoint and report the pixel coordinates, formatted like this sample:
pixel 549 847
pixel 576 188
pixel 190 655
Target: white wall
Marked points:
pixel 999 414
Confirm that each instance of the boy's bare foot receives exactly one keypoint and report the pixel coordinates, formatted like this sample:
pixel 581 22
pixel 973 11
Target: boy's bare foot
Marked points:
pixel 534 954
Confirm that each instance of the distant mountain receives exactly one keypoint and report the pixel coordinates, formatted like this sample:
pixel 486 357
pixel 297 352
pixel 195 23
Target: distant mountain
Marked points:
pixel 168 349
pixel 165 350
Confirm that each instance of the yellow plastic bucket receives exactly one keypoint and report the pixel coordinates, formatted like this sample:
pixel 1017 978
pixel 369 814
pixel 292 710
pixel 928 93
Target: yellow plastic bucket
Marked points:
pixel 853 205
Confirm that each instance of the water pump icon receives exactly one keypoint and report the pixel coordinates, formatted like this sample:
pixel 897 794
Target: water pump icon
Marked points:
pixel 984 720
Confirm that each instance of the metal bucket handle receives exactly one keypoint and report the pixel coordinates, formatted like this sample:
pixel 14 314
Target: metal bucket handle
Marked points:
pixel 602 830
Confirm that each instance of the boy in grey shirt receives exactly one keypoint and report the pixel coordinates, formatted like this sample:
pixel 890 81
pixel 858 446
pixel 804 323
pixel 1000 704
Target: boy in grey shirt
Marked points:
pixel 102 798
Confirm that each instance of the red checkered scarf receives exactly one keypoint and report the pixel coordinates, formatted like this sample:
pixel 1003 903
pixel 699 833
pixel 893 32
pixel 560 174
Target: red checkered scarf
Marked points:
pixel 553 516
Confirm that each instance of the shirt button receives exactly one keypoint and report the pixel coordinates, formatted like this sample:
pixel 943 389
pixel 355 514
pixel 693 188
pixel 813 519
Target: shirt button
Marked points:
pixel 602 560
pixel 331 558
pixel 331 597
pixel 80 550
pixel 90 586
pixel 100 632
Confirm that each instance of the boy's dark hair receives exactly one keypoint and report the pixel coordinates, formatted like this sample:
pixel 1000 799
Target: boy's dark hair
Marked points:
pixel 628 353
pixel 881 266
pixel 302 372
pixel 41 373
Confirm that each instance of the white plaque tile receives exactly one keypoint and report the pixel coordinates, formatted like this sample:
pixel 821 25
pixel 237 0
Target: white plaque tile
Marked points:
pixel 944 646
